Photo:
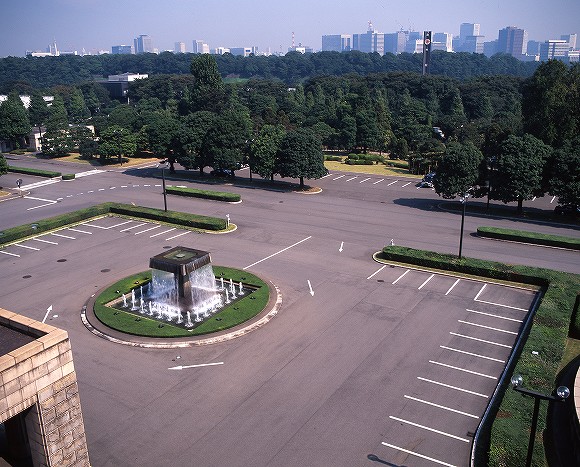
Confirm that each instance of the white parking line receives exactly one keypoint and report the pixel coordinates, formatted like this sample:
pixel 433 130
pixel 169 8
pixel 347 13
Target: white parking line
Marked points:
pixel 327 175
pixel 63 236
pixel 472 354
pixel 364 180
pixel 389 184
pixel 340 176
pixel 488 327
pixel 503 306
pixel 95 226
pixel 11 254
pixel 81 231
pixel 349 179
pixel 377 271
pixel 123 186
pixel 119 224
pixel 178 235
pixel 425 283
pixel 379 181
pixel 155 185
pixel 408 183
pixel 401 276
pixel 552 200
pixel 429 429
pixel 494 316
pixel 147 230
pixel 480 291
pixel 480 340
pixel 451 288
pixel 441 407
pixel 133 227
pixel 161 233
pixel 422 456
pixel 101 189
pixel 44 241
pixel 41 206
pixel 461 369
pixel 27 247
pixel 278 252
pixel 451 387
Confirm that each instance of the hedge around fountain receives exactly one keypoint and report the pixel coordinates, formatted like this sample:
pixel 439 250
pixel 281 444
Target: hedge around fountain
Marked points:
pixel 141 325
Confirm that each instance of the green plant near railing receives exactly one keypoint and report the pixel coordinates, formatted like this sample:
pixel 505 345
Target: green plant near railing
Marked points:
pixel 529 237
pixel 206 194
pixel 38 172
pixel 555 317
pixel 68 176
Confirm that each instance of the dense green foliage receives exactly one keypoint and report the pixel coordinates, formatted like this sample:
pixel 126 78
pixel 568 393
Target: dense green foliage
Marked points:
pixel 14 120
pixel 3 165
pixel 292 68
pixel 230 316
pixel 195 193
pixel 508 436
pixel 529 237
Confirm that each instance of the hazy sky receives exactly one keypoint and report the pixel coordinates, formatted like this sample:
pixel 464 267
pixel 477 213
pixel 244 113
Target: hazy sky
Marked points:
pixel 99 24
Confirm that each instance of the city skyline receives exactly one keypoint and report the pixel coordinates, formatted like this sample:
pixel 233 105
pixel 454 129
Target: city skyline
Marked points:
pixel 98 25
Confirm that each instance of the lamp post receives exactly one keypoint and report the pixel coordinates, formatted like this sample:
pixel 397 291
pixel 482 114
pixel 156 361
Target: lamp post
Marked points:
pixel 163 166
pixel 562 394
pixel 463 200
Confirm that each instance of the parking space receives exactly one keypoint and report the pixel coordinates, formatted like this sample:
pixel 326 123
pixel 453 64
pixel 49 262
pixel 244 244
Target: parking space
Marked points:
pixel 109 227
pixel 434 421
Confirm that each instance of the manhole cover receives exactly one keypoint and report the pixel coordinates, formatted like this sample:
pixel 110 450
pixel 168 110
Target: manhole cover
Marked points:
pixel 380 280
pixel 60 260
pixel 105 270
pixel 28 276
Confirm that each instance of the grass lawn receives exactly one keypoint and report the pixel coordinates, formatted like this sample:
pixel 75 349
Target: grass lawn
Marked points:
pixel 376 169
pixel 571 351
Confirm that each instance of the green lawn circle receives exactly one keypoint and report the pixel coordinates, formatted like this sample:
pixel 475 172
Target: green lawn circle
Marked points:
pixel 230 316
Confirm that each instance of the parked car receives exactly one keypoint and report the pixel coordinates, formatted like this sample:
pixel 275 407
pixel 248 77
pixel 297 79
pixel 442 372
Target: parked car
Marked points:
pixel 568 210
pixel 223 173
pixel 426 184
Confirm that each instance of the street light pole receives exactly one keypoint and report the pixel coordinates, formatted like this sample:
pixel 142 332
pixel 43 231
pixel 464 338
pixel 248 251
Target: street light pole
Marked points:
pixel 163 167
pixel 562 394
pixel 464 202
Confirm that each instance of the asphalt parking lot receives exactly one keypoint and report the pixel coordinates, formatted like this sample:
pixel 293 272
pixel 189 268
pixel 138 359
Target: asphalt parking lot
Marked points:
pixel 378 361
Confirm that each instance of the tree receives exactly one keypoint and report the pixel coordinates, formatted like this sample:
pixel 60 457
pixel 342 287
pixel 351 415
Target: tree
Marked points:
pixel 38 111
pixel 208 87
pixel 3 165
pixel 458 170
pixel 14 123
pixel 518 169
pixel 225 144
pixel 57 116
pixel 565 174
pixel 78 110
pixel 117 142
pixel 300 156
pixel 263 150
pixel 195 128
pixel 163 134
pixel 57 142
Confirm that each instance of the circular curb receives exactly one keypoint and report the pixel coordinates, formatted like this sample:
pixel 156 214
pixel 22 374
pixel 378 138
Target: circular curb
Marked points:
pixel 194 342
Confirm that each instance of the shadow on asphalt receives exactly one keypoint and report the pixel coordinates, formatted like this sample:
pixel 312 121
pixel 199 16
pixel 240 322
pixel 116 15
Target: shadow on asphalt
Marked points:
pixel 374 458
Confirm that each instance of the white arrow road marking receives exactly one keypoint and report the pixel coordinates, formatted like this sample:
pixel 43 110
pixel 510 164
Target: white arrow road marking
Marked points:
pixel 341 245
pixel 48 310
pixel 183 367
pixel 310 287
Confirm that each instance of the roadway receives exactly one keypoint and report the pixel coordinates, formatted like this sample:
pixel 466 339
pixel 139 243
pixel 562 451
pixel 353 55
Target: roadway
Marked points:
pixel 380 366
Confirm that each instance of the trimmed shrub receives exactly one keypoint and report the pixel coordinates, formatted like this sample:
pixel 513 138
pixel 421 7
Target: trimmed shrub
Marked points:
pixel 398 164
pixel 529 237
pixel 195 193
pixel 333 158
pixel 38 172
pixel 358 162
pixel 68 176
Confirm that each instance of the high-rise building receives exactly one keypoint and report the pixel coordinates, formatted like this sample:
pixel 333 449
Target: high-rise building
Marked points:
pixel 468 29
pixel 490 48
pixel 571 39
pixel 371 41
pixel 179 48
pixel 442 41
pixel 200 47
pixel 337 43
pixel 122 49
pixel 244 51
pixel 473 44
pixel 143 44
pixel 395 42
pixel 513 41
pixel 554 49
pixel 414 42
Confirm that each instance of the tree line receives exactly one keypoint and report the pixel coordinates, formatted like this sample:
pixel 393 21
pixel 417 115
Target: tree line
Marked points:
pixel 27 73
pixel 435 122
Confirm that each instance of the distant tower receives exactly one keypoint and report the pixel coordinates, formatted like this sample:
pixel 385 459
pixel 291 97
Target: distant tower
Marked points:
pixel 293 44
pixel 426 51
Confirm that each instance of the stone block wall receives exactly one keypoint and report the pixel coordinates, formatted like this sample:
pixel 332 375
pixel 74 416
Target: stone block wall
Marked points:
pixel 39 378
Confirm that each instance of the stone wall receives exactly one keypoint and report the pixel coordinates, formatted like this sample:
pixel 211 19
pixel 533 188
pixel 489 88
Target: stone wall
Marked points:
pixel 39 378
